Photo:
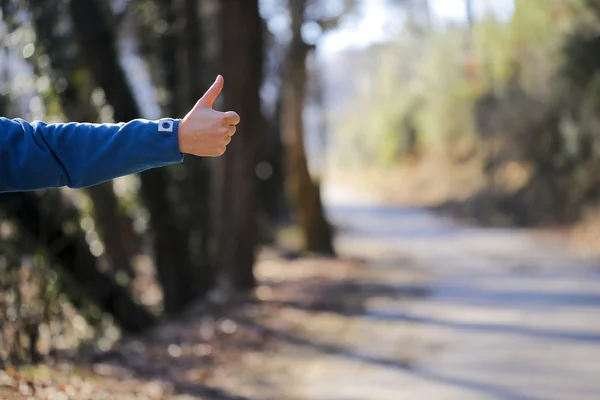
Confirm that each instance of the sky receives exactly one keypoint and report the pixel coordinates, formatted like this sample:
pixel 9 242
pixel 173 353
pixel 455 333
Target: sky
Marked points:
pixel 377 22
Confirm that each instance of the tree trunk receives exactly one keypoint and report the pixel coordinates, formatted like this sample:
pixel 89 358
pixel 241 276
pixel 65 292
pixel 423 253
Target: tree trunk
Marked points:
pixel 170 57
pixel 54 224
pixel 181 60
pixel 273 205
pixel 196 185
pixel 427 11
pixel 469 12
pixel 304 193
pixel 180 70
pixel 242 59
pixel 111 223
pixel 170 243
pixel 195 72
pixel 75 105
pixel 272 194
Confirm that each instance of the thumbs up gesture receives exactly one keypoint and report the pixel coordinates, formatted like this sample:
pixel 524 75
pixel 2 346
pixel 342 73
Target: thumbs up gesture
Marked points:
pixel 204 131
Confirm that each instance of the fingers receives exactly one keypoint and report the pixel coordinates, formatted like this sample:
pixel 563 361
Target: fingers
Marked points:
pixel 226 128
pixel 232 118
pixel 221 149
pixel 227 131
pixel 211 94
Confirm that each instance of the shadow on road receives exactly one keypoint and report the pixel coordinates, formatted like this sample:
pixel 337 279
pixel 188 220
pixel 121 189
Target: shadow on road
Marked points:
pixel 348 298
pixel 407 367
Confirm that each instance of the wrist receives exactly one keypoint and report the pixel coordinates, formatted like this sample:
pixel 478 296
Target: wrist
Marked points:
pixel 170 128
pixel 182 135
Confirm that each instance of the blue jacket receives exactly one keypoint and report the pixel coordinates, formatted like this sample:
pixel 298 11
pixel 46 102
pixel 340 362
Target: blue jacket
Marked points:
pixel 39 155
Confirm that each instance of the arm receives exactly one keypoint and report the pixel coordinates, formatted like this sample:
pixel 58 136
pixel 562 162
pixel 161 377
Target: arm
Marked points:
pixel 38 155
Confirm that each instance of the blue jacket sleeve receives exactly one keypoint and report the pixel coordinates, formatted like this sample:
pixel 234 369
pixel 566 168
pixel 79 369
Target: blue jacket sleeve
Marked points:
pixel 38 155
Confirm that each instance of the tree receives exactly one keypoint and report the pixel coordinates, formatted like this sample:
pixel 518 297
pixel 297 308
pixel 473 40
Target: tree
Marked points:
pixel 178 66
pixel 242 62
pixel 65 65
pixel 196 186
pixel 272 196
pixel 51 221
pixel 175 271
pixel 273 203
pixel 304 192
pixel 469 12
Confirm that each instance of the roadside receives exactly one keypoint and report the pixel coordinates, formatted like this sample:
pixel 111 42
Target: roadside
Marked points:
pixel 460 191
pixel 417 307
pixel 210 353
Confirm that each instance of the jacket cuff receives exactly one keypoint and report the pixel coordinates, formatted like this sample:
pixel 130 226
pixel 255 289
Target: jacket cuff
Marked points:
pixel 168 130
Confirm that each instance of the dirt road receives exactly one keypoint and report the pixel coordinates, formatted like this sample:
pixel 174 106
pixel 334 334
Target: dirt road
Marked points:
pixel 445 312
pixel 436 311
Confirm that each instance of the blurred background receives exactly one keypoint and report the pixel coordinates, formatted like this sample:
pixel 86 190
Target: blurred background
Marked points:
pixel 408 210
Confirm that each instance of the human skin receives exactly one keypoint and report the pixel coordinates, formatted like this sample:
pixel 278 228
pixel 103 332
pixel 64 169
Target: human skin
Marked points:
pixel 204 131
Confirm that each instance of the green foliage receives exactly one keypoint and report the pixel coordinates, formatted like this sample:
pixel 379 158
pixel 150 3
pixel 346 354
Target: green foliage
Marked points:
pixel 526 89
pixel 432 82
pixel 447 97
pixel 37 320
pixel 420 99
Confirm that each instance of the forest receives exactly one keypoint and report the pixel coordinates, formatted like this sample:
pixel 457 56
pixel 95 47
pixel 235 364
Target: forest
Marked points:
pixel 493 121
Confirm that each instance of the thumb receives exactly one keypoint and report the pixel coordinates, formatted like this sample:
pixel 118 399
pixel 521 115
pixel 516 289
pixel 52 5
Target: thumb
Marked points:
pixel 211 94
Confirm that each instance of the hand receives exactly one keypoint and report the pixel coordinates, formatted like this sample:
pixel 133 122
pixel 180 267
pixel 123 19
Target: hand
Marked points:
pixel 204 131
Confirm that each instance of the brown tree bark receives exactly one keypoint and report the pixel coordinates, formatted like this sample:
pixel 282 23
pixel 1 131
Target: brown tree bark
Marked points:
pixel 196 187
pixel 181 61
pixel 114 227
pixel 304 192
pixel 98 42
pixel 273 201
pixel 272 195
pixel 242 60
pixel 175 58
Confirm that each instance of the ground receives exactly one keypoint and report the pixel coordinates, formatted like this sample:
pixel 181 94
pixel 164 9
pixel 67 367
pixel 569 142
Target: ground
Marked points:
pixel 417 307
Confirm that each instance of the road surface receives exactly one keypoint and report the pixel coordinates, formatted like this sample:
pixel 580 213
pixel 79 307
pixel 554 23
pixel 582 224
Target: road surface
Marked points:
pixel 450 312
